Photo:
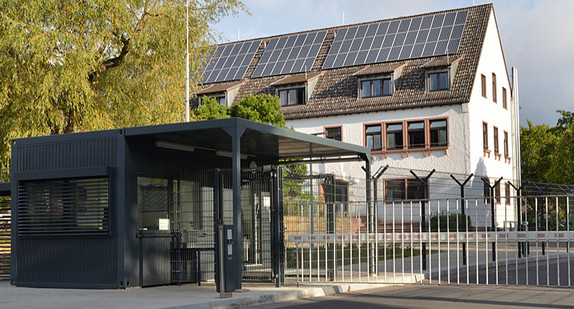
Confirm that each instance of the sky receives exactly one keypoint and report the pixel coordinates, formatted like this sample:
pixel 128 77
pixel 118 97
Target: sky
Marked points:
pixel 536 37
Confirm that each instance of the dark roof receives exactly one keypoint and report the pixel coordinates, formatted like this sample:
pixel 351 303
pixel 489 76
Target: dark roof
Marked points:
pixel 443 61
pixel 223 87
pixel 297 78
pixel 260 140
pixel 336 91
pixel 380 68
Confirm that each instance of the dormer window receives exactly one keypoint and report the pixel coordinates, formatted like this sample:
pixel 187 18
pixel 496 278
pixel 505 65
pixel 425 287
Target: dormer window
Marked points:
pixel 294 90
pixel 376 87
pixel 292 96
pixel 437 81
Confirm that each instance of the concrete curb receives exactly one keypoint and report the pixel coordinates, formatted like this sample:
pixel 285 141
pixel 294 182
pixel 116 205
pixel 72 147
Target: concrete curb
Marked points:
pixel 281 295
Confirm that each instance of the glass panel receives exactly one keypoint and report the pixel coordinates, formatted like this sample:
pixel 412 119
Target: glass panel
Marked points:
pixel 334 133
pixel 433 82
pixel 152 204
pixel 292 96
pixel 366 89
pixel 416 134
pixel 283 97
pixel 376 87
pixel 387 86
pixel 373 129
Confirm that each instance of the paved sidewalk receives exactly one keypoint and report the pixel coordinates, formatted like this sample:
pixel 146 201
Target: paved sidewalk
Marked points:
pixel 173 297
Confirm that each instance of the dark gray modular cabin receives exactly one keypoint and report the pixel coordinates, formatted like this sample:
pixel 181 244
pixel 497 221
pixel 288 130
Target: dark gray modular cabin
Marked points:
pixel 137 206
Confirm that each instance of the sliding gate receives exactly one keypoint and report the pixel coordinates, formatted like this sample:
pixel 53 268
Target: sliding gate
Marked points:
pixel 525 241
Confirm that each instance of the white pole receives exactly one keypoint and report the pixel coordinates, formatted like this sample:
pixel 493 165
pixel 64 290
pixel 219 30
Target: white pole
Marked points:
pixel 187 62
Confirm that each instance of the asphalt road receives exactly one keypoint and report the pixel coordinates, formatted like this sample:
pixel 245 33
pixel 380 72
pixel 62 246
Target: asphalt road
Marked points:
pixel 440 296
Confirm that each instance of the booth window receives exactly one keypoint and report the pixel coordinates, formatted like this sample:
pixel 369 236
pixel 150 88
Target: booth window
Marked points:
pixel 65 207
pixel 153 201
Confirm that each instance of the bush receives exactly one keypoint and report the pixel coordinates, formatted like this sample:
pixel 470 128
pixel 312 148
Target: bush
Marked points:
pixel 452 222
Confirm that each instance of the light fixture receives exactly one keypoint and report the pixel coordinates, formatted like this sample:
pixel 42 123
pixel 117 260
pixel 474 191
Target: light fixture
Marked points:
pixel 174 146
pixel 229 154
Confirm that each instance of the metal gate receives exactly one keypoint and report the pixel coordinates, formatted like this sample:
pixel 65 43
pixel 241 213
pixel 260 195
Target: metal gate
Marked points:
pixel 192 217
pixel 442 241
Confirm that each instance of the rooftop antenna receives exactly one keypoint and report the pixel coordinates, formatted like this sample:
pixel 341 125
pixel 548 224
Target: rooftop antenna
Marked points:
pixel 187 61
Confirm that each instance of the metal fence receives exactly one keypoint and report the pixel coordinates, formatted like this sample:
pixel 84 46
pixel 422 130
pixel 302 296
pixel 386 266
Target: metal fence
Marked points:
pixel 452 241
pixel 5 248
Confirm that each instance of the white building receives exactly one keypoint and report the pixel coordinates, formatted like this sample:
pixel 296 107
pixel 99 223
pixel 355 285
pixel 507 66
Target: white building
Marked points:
pixel 424 92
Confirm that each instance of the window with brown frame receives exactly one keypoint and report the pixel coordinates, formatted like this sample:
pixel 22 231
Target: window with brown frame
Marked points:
pixel 376 87
pixel 373 137
pixel 416 134
pixel 486 191
pixel 333 133
pixel 494 98
pixel 507 193
pixel 495 141
pixel 483 84
pixel 485 136
pixel 394 136
pixel 438 133
pixel 437 81
pixel 404 189
pixel 506 154
pixel 420 134
pixel 504 99
pixel 497 193
pixel 293 96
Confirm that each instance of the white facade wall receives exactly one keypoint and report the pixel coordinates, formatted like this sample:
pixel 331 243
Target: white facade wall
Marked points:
pixel 481 109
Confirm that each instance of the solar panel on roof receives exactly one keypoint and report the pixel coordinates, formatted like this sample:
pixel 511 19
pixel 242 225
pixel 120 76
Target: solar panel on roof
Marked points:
pixel 292 54
pixel 229 62
pixel 426 36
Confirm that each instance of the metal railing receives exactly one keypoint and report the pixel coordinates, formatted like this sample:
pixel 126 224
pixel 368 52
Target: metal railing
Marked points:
pixel 524 241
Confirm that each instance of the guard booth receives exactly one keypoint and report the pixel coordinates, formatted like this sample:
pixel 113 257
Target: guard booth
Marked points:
pixel 139 206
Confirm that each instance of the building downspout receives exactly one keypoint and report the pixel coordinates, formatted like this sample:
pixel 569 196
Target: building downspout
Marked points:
pixel 515 110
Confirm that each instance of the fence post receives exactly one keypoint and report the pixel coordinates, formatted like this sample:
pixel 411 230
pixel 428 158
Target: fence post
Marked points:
pixel 375 214
pixel 492 210
pixel 521 245
pixel 462 207
pixel 424 181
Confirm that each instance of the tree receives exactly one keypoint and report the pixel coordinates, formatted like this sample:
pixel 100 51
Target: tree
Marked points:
pixel 537 142
pixel 210 109
pixel 548 153
pixel 69 66
pixel 261 108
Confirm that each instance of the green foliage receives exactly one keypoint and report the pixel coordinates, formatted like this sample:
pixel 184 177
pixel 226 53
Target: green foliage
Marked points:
pixel 453 219
pixel 210 109
pixel 548 153
pixel 70 66
pixel 294 187
pixel 261 108
pixel 537 142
